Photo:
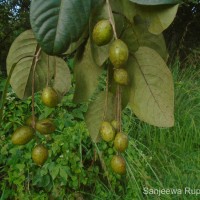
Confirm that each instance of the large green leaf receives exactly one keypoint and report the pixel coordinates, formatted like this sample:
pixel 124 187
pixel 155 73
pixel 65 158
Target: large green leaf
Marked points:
pixel 152 91
pixel 94 115
pixel 155 2
pixel 124 7
pixel 159 17
pixel 58 23
pixel 62 76
pixel 137 35
pixel 23 52
pixel 86 73
pixel 75 45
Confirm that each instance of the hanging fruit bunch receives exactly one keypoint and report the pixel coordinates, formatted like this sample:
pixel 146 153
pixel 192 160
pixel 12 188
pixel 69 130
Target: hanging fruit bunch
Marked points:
pixel 26 133
pixel 123 38
pixel 118 55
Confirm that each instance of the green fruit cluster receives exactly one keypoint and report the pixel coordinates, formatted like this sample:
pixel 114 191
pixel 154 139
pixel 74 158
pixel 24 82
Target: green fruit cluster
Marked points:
pixel 110 132
pixel 118 53
pixel 26 133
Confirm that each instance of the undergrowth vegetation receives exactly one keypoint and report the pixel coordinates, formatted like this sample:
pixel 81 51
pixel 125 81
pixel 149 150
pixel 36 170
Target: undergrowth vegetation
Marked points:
pixel 79 169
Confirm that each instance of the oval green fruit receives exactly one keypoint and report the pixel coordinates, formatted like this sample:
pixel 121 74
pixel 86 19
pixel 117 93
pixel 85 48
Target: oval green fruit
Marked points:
pixel 121 76
pixel 29 120
pixel 115 124
pixel 39 154
pixel 22 135
pixel 121 142
pixel 107 131
pixel 118 164
pixel 50 97
pixel 118 53
pixel 45 126
pixel 102 33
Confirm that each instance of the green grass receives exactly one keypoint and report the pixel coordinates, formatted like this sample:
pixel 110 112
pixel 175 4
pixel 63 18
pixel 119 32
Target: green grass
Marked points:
pixel 174 153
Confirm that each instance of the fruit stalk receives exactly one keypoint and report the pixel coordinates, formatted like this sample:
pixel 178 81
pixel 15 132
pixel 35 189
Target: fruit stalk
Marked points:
pixel 118 106
pixel 111 19
pixel 48 72
pixel 106 100
pixel 36 59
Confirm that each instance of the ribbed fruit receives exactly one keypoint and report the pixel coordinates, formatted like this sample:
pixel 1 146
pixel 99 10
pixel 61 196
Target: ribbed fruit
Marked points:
pixel 118 53
pixel 121 142
pixel 22 135
pixel 107 131
pixel 118 164
pixel 39 154
pixel 102 33
pixel 121 76
pixel 49 97
pixel 45 126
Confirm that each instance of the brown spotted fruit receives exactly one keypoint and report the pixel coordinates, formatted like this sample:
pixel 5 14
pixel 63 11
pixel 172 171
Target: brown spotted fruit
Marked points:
pixel 115 124
pixel 39 154
pixel 29 120
pixel 45 126
pixel 118 53
pixel 50 97
pixel 121 76
pixel 118 164
pixel 121 142
pixel 107 131
pixel 22 135
pixel 102 32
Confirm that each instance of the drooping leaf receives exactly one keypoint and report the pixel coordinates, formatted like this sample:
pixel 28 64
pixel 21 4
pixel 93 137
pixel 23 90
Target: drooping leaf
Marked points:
pixel 124 7
pixel 155 2
pixel 62 77
pixel 95 113
pixel 56 24
pixel 151 88
pixel 23 52
pixel 137 35
pixel 159 17
pixel 25 48
pixel 86 73
pixel 75 45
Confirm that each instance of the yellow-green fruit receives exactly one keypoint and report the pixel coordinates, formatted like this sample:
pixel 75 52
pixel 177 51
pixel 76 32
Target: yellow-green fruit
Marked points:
pixel 121 76
pixel 118 164
pixel 118 53
pixel 45 126
pixel 39 154
pixel 49 97
pixel 102 33
pixel 115 124
pixel 107 131
pixel 29 120
pixel 121 142
pixel 22 135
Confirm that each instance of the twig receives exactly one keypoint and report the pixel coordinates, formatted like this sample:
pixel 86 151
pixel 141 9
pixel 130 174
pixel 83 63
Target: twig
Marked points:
pixel 48 71
pixel 36 59
pixel 111 19
pixel 106 100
